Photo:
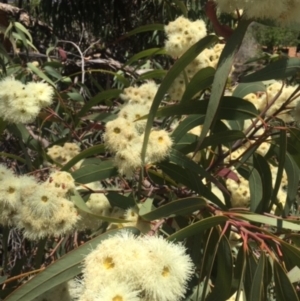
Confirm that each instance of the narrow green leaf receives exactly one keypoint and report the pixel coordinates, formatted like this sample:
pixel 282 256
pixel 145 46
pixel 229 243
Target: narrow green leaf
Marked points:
pixel 23 29
pixel 92 173
pixel 119 200
pixel 284 289
pixel 76 96
pixel 280 69
pixel 244 89
pixel 291 255
pixel 145 28
pixel 199 82
pixel 108 94
pixel 231 108
pixel 275 222
pixel 197 227
pixel 178 207
pixel 144 54
pixel 177 68
pixel 51 71
pixel 40 74
pixel 251 266
pixel 222 286
pixel 262 167
pixel 187 124
pixel 257 286
pixel 223 70
pixel 293 144
pixel 94 150
pixel 158 74
pixel 61 270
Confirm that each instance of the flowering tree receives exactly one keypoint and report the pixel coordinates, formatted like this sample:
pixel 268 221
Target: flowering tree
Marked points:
pixel 177 183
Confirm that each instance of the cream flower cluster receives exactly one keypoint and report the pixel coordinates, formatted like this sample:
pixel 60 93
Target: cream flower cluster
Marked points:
pixel 261 102
pixel 20 103
pixel 283 12
pixel 124 135
pixel 38 209
pixel 181 35
pixel 125 267
pixel 63 154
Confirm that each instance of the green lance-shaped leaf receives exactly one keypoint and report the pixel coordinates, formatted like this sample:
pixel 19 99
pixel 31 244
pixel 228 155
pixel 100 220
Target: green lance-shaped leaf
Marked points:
pixel 94 150
pixel 292 171
pixel 145 28
pixel 262 167
pixel 223 70
pixel 199 82
pixel 92 173
pixel 280 69
pixel 293 144
pixel 40 74
pixel 244 89
pixel 119 200
pixel 272 221
pixel 178 207
pixel 222 286
pixel 159 74
pixel 257 291
pixel 187 124
pixel 174 72
pixel 284 289
pixel 61 270
pixel 144 54
pixel 291 255
pixel 108 94
pixel 279 150
pixel 51 71
pixel 255 186
pixel 80 204
pixel 231 108
pixel 239 271
pixel 251 267
pixel 197 227
pixel 23 29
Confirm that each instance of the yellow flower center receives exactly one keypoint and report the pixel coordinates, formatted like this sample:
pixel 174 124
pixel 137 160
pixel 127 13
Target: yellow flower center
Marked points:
pixel 10 190
pixel 160 139
pixel 44 199
pixel 117 298
pixel 165 272
pixel 108 263
pixel 117 130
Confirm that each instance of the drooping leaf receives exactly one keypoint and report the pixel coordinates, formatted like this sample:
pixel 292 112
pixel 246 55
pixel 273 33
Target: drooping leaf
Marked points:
pixel 272 221
pixel 257 291
pixel 159 74
pixel 284 289
pixel 93 150
pixel 197 227
pixel 61 270
pixel 200 81
pixel 145 28
pixel 144 54
pixel 222 286
pixel 40 74
pixel 178 207
pixel 231 108
pixel 280 69
pixel 92 173
pixel 244 89
pixel 119 200
pixel 223 70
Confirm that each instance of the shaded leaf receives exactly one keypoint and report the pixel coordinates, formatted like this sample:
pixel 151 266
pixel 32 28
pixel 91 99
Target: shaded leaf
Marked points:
pixel 257 292
pixel 40 74
pixel 197 227
pixel 119 200
pixel 200 81
pixel 145 28
pixel 280 69
pixel 145 53
pixel 284 289
pixel 244 89
pixel 92 173
pixel 178 207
